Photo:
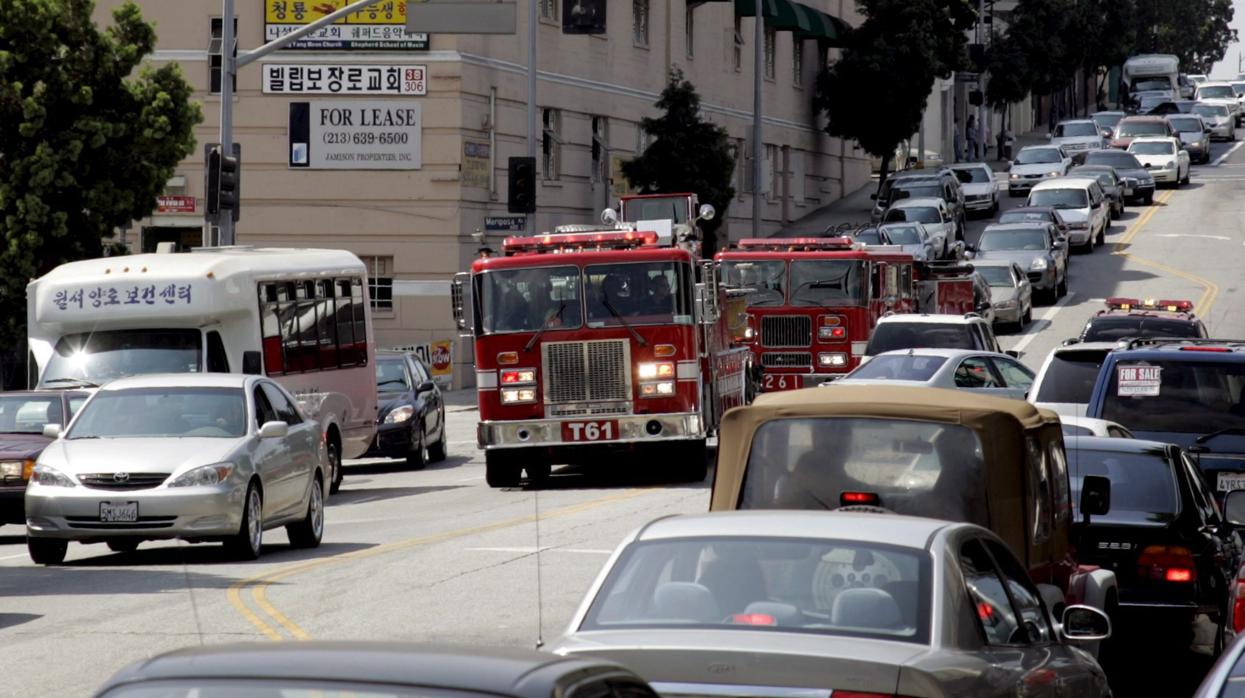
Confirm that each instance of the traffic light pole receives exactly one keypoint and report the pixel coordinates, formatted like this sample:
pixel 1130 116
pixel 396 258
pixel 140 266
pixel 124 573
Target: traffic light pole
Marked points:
pixel 530 224
pixel 758 149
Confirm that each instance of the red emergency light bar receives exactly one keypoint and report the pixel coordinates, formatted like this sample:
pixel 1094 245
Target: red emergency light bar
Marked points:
pixel 1120 303
pixel 798 244
pixel 551 242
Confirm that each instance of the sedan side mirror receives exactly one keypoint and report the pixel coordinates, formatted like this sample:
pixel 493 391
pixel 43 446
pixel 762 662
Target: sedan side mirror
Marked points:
pixel 52 431
pixel 1085 624
pixel 1013 353
pixel 274 430
pixel 1095 496
pixel 1058 244
pixel 1233 504
pixel 873 197
pixel 425 387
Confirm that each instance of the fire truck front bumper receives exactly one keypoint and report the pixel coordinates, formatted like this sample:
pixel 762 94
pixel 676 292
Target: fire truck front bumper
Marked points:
pixel 596 429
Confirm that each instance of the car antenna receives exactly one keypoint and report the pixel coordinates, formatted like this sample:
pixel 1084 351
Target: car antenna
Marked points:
pixel 540 608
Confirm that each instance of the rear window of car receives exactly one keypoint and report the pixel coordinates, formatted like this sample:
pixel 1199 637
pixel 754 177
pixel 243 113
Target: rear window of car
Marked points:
pixel 1075 430
pixel 786 585
pixel 1110 329
pixel 920 335
pixel 1070 377
pixel 1141 482
pixel 1142 128
pixel 906 367
pixel 1164 395
pixel 1114 158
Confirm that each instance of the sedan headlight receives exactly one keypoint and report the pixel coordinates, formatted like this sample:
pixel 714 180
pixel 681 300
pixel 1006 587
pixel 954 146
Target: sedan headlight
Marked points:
pixel 47 476
pixel 1171 163
pixel 399 415
pixel 1038 264
pixel 13 468
pixel 203 476
pixel 1015 176
pixel 1053 174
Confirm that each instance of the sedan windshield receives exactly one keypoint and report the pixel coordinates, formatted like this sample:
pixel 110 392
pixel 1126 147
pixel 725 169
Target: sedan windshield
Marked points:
pixel 869 237
pixel 903 235
pixel 1115 158
pixel 636 293
pixel 782 585
pixel 764 280
pixel 903 367
pixel 1210 110
pixel 26 414
pixel 1132 129
pixel 1216 92
pixel 391 376
pixel 1176 396
pixel 1076 130
pixel 1059 198
pixel 1020 215
pixel 163 413
pixel 914 214
pixel 1152 148
pixel 974 175
pixel 997 276
pixel 98 357
pixel 518 300
pixel 825 282
pixel 1012 240
pixel 913 191
pixel 1187 124
pixel 1038 156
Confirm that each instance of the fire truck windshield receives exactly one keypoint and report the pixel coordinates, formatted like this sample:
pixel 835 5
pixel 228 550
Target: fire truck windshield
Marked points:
pixel 658 208
pixel 637 293
pixel 525 300
pixel 825 282
pixel 763 279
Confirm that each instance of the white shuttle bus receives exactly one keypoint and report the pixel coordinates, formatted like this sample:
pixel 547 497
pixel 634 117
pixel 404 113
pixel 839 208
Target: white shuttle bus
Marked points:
pixel 299 316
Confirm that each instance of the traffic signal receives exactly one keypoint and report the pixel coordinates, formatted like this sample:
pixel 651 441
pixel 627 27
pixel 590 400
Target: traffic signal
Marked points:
pixel 224 179
pixel 521 185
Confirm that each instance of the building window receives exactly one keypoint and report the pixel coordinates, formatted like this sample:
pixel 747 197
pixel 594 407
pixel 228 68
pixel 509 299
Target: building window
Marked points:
pixel 551 143
pixel 379 281
pixel 639 22
pixel 770 38
pixel 797 62
pixel 689 29
pixel 600 148
pixel 549 10
pixel 739 45
pixel 769 171
pixel 216 54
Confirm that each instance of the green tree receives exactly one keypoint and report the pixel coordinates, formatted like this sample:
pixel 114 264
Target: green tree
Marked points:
pixel 1008 69
pixel 91 135
pixel 1197 31
pixel 889 63
pixel 687 154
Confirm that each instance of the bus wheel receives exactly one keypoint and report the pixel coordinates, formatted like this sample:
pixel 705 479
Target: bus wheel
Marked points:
pixel 335 468
pixel 501 470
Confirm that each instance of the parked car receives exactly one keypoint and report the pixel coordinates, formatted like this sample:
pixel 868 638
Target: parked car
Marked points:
pixel 1135 126
pixel 929 212
pixel 1130 168
pixel 1173 555
pixel 981 187
pixel 1035 247
pixel 1066 379
pixel 1076 135
pixel 23 415
pixel 1164 158
pixel 410 421
pixel 1011 293
pixel 369 670
pixel 1081 203
pixel 1107 121
pixel 1113 186
pixel 1035 163
pixel 1219 118
pixel 1088 426
pixel 1194 135
pixel 1128 318
pixel 957 369
pixel 856 604
pixel 931 331
pixel 224 457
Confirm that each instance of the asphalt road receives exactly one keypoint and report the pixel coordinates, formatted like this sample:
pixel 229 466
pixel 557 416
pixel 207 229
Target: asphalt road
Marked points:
pixel 437 556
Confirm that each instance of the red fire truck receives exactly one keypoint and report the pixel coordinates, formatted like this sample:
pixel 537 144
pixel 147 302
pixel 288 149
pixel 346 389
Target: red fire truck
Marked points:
pixel 813 302
pixel 593 344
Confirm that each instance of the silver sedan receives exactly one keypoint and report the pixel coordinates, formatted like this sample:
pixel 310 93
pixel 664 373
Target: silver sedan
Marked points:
pixel 199 457
pixel 810 603
pixel 1011 294
pixel 958 369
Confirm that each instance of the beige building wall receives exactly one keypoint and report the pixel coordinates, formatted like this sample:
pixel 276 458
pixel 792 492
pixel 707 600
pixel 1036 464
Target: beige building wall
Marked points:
pixel 418 224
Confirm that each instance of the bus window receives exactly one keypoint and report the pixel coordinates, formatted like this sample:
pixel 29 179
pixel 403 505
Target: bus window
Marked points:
pixel 326 324
pixel 313 326
pixel 358 299
pixel 217 361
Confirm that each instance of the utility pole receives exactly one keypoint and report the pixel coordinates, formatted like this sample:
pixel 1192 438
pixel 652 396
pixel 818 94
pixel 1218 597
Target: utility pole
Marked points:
pixel 530 220
pixel 758 148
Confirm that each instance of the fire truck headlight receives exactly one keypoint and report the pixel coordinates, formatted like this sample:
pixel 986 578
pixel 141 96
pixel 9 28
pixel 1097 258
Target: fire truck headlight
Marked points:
pixel 659 369
pixel 518 396
pixel 657 389
pixel 749 333
pixel 518 376
pixel 835 359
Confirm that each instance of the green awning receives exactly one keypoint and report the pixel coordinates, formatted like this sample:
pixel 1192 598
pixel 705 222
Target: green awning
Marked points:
pixel 825 28
pixel 781 15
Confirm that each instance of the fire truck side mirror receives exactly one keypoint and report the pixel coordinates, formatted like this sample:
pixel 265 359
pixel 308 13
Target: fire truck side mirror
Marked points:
pixel 609 216
pixel 459 303
pixel 706 212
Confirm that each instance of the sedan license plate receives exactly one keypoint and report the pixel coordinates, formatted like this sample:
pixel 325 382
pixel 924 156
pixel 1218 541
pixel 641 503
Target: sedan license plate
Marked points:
pixel 118 512
pixel 778 381
pixel 597 430
pixel 1231 481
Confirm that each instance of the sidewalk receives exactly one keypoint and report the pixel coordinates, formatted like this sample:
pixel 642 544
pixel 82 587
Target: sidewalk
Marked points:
pixel 857 207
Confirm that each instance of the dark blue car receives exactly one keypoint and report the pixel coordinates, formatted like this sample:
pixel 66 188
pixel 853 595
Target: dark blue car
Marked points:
pixel 410 420
pixel 1190 392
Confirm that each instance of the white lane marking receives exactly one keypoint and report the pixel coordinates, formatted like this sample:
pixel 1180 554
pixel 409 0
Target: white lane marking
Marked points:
pixel 1192 235
pixel 1219 160
pixel 532 549
pixel 1048 315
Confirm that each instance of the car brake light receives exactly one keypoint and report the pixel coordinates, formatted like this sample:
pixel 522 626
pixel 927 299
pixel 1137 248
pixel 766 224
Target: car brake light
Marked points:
pixel 1216 350
pixel 1238 607
pixel 754 619
pixel 849 498
pixel 1171 563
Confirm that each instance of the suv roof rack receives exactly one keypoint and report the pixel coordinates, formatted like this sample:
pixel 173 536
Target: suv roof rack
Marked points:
pixel 1138 342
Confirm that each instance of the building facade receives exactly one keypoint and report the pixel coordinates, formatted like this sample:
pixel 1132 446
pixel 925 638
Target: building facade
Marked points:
pixel 417 210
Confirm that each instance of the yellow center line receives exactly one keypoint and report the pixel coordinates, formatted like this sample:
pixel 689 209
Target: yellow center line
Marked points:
pixel 1210 289
pixel 259 584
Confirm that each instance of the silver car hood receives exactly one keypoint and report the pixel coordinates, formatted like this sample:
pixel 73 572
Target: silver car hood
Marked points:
pixel 1021 257
pixel 1040 168
pixel 998 294
pixel 749 658
pixel 135 455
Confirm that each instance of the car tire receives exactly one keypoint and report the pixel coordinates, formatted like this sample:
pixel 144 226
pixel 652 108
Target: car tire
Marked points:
pixel 1061 289
pixel 335 468
pixel 418 456
pixel 123 545
pixel 1028 317
pixel 501 470
pixel 46 551
pixel 1187 174
pixel 308 532
pixel 436 451
pixel 248 542
pixel 1149 199
pixel 1102 236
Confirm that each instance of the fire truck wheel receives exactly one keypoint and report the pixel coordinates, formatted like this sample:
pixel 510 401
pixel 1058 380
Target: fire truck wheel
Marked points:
pixel 691 463
pixel 500 469
pixel 538 474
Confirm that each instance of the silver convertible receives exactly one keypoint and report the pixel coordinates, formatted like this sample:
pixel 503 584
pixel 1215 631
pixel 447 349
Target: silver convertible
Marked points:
pixel 199 457
pixel 802 604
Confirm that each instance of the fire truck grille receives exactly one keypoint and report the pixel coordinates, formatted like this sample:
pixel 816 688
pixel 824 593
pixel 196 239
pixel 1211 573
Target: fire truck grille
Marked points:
pixel 598 370
pixel 786 331
pixel 786 359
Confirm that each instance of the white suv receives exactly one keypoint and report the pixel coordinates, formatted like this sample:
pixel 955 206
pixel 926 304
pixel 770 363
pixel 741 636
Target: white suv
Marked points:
pixel 932 331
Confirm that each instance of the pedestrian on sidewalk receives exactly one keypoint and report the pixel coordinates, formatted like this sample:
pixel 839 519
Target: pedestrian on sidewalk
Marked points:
pixel 970 136
pixel 985 138
pixel 957 141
